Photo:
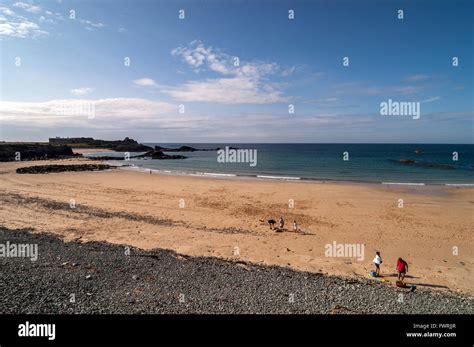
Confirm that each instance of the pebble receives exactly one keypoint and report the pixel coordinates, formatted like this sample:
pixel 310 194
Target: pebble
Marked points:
pixel 161 276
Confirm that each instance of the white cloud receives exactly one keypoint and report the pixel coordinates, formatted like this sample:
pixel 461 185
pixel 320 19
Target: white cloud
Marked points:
pixel 50 112
pixel 136 116
pixel 28 7
pixel 433 98
pixel 82 91
pixel 51 17
pixel 145 82
pixel 21 28
pixel 6 11
pixel 246 83
pixel 89 25
pixel 14 25
pixel 236 90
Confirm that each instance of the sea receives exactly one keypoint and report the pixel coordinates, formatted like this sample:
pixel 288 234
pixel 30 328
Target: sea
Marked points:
pixel 415 164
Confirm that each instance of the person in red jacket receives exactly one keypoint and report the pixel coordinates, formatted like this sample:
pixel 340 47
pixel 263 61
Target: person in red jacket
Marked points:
pixel 402 268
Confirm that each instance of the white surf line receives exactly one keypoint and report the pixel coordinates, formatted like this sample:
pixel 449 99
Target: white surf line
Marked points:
pixel 403 184
pixel 279 177
pixel 460 184
pixel 212 174
pixel 218 174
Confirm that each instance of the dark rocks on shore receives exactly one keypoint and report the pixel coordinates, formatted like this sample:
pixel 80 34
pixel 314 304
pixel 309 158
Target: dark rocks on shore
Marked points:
pixel 157 154
pixel 160 155
pixel 189 149
pixel 107 280
pixel 153 154
pixel 34 151
pixel 407 161
pixel 440 166
pixel 43 169
pixel 230 147
pixel 179 149
pixel 105 157
pixel 427 164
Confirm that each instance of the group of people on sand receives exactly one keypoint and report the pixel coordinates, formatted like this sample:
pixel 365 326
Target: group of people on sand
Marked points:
pixel 401 267
pixel 281 225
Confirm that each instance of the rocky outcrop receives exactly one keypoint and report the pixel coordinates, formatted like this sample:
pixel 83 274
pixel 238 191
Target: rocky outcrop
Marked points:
pixel 187 149
pixel 125 145
pixel 157 154
pixel 407 161
pixel 427 164
pixel 33 151
pixel 179 149
pixel 43 169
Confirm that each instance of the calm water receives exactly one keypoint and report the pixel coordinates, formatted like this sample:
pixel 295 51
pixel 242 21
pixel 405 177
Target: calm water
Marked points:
pixel 367 162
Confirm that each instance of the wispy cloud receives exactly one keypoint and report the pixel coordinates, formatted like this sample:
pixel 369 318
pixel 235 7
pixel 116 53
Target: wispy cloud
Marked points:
pixel 136 114
pixel 32 19
pixel 8 12
pixel 145 82
pixel 241 82
pixel 90 25
pixel 28 7
pixel 417 77
pixel 433 98
pixel 236 90
pixel 14 25
pixel 82 91
pixel 358 88
pixel 131 109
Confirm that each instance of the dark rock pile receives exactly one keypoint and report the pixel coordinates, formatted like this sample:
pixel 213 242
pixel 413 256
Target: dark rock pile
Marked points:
pixel 34 151
pixel 43 169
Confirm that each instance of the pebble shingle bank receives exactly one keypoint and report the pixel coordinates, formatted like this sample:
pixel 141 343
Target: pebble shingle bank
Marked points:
pixel 101 278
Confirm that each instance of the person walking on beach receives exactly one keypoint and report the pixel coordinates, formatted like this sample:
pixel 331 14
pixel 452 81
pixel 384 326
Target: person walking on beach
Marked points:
pixel 282 222
pixel 377 261
pixel 272 223
pixel 402 268
pixel 295 226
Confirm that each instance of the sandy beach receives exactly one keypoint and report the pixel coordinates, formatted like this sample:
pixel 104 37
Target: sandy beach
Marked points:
pixel 227 218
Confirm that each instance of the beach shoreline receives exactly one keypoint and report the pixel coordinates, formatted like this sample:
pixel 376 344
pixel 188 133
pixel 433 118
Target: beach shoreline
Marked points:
pixel 222 215
pixel 273 178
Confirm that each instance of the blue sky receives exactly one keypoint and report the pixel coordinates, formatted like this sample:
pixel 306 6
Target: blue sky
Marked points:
pixel 190 62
